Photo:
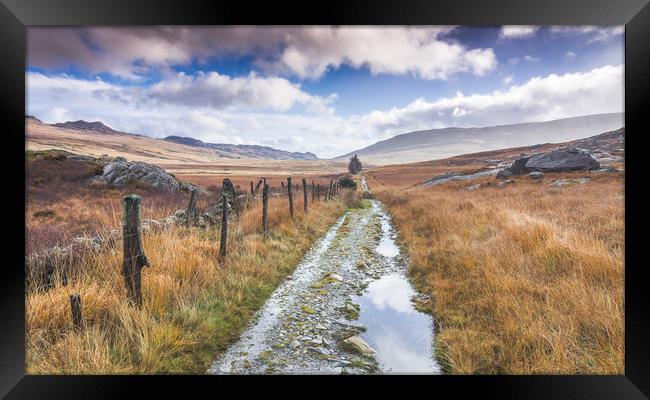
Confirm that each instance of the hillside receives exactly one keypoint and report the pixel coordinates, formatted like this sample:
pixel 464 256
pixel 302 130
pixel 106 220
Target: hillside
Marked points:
pixel 608 148
pixel 96 126
pixel 449 142
pixel 96 138
pixel 180 159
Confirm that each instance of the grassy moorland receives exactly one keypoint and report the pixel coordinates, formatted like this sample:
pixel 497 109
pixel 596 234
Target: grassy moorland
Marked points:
pixel 193 306
pixel 525 279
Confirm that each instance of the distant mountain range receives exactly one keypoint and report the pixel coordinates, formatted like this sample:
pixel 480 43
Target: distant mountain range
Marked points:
pixel 220 149
pixel 249 151
pixel 448 142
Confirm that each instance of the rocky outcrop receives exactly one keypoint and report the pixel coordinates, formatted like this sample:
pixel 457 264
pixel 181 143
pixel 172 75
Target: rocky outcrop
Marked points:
pixel 124 173
pixel 457 176
pixel 562 160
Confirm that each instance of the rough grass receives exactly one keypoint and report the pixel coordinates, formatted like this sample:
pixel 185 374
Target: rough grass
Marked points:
pixel 193 307
pixel 525 279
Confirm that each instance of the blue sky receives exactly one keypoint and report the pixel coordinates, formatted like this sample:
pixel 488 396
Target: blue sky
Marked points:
pixel 328 90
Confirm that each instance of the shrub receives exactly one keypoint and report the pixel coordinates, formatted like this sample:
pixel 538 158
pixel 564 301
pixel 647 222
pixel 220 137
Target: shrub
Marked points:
pixel 347 183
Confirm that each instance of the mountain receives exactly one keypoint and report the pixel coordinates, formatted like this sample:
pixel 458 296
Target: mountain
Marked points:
pixel 96 139
pixel 244 150
pixel 81 125
pixel 448 142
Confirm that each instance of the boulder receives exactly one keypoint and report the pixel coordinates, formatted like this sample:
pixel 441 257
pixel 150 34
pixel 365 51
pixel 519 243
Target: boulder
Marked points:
pixel 504 173
pixel 506 182
pixel 473 187
pixel 536 175
pixel 562 160
pixel 516 168
pixel 520 166
pixel 123 173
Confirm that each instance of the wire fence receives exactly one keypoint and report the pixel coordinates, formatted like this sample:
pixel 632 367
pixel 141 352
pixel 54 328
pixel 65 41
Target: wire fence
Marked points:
pixel 63 264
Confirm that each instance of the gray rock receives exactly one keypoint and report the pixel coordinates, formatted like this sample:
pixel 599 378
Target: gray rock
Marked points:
pixel 149 225
pixel 519 166
pixel 536 175
pixel 473 187
pixel 504 173
pixel 357 344
pixel 506 182
pixel 563 160
pixel 123 173
pixel 336 277
pixel 93 243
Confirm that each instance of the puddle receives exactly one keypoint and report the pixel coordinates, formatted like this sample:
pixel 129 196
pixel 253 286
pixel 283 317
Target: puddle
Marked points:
pixel 401 335
pixel 387 246
pixel 297 330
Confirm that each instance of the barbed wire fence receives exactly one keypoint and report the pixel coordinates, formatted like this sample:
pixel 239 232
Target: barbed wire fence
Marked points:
pixel 62 264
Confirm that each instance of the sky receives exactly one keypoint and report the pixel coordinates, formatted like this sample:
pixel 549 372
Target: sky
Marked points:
pixel 324 89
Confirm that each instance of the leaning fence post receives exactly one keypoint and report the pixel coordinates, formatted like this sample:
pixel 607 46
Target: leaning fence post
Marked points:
pixel 134 258
pixel 265 207
pixel 313 195
pixel 77 316
pixel 224 226
pixel 290 197
pixel 191 208
pixel 304 194
pixel 329 191
pixel 252 190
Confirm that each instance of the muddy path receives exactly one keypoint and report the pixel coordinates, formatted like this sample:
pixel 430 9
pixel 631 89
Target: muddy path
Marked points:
pixel 347 308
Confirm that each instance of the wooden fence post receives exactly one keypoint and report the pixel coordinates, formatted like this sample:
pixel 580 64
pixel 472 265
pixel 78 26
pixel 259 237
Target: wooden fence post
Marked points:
pixel 290 197
pixel 77 316
pixel 313 194
pixel 224 226
pixel 134 258
pixel 257 187
pixel 265 207
pixel 329 194
pixel 318 191
pixel 252 190
pixel 191 208
pixel 304 194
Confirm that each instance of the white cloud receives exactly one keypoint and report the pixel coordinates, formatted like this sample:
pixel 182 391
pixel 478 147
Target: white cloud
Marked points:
pixel 595 33
pixel 517 31
pixel 530 58
pixel 305 52
pixel 221 91
pixel 58 98
pixel 311 52
pixel 507 80
pixel 570 54
pixel 539 99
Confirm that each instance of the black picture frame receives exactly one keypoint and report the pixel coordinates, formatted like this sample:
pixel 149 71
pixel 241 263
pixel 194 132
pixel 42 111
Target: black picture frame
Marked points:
pixel 15 15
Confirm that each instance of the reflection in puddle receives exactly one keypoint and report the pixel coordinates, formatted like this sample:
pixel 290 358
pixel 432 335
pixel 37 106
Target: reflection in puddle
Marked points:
pixel 401 335
pixel 387 246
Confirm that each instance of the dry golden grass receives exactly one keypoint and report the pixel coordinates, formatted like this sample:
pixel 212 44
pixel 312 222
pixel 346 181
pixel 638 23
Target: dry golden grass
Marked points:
pixel 525 279
pixel 193 307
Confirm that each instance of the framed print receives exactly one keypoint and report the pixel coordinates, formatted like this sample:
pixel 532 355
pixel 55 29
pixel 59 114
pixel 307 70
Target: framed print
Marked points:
pixel 211 190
